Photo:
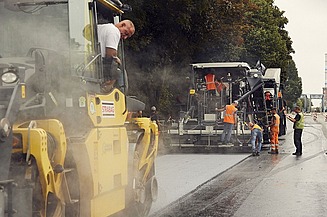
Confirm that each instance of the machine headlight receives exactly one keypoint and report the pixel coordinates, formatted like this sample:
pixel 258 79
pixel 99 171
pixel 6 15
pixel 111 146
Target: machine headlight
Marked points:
pixel 9 77
pixel 4 128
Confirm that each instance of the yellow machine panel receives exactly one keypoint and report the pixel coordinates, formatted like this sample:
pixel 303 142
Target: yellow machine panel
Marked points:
pixel 107 110
pixel 107 150
pixel 109 158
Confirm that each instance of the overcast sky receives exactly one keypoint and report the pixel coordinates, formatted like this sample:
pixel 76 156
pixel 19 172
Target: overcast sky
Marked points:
pixel 307 28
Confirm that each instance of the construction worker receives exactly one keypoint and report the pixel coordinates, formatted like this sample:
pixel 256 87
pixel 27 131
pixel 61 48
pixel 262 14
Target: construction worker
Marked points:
pixel 230 119
pixel 109 36
pixel 154 115
pixel 274 131
pixel 256 137
pixel 220 87
pixel 298 126
pixel 210 84
pixel 268 98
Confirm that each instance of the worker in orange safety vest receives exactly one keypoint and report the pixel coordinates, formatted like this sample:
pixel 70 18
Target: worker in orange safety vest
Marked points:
pixel 230 119
pixel 274 131
pixel 210 84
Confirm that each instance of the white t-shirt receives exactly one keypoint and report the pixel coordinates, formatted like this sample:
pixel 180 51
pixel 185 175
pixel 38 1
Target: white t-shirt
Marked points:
pixel 109 36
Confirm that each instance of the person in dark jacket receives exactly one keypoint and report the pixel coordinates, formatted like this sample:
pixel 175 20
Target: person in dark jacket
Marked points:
pixel 298 127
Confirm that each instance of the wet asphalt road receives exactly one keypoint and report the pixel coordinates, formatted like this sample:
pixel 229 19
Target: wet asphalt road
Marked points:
pixel 268 185
pixel 179 174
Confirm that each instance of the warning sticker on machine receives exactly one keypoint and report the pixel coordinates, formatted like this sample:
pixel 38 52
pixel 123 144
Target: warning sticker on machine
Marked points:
pixel 108 109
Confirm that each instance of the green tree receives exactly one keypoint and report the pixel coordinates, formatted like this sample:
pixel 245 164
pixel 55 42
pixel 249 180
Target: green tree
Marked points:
pixel 267 40
pixel 293 84
pixel 171 34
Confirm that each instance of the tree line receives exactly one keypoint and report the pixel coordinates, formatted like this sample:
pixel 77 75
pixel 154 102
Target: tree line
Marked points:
pixel 172 34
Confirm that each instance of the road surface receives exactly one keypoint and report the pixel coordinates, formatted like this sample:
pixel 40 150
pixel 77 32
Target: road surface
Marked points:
pixel 268 185
pixel 180 174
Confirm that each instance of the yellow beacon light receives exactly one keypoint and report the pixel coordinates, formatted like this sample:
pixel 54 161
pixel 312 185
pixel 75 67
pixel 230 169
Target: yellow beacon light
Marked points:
pixel 23 90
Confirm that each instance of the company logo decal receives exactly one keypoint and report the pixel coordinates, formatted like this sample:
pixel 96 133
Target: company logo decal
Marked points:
pixel 108 109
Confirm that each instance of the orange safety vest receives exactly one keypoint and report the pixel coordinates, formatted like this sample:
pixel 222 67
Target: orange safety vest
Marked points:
pixel 275 127
pixel 210 81
pixel 229 114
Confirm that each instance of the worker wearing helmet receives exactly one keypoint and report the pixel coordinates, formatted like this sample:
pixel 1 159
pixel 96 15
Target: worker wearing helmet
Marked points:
pixel 154 115
pixel 274 131
pixel 229 121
